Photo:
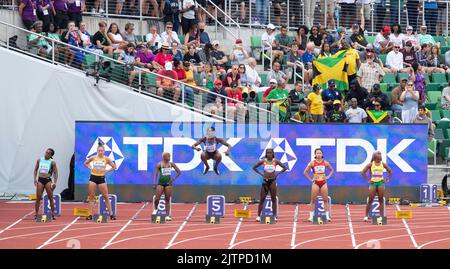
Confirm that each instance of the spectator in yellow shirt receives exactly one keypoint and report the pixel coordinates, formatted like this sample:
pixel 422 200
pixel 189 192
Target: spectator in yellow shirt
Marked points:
pixel 316 104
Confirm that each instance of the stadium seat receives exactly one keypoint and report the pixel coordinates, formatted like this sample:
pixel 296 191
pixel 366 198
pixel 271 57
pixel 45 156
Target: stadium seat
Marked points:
pixel 427 78
pixel 445 114
pixel 89 59
pixel 263 77
pixel 440 78
pixel 383 58
pixel 259 97
pixel 431 106
pixel 436 115
pixel 443 124
pixel 400 76
pixel 384 87
pixel 440 39
pixel 433 87
pixel 150 79
pixel 389 78
pixel 255 42
pixel 444 49
pixel 439 134
pixel 445 143
pixel 370 39
pixel 181 37
pixel 434 96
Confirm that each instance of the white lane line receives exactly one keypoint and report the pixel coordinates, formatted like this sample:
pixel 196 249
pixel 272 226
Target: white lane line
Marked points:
pixel 408 230
pixel 58 233
pixel 125 226
pixel 294 227
pixel 350 225
pixel 233 239
pixel 15 223
pixel 182 226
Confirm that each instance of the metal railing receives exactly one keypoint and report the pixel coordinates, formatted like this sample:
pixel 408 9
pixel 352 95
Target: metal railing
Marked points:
pixel 188 99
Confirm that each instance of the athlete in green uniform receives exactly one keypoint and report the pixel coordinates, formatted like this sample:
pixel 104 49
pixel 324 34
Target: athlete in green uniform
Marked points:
pixel 164 170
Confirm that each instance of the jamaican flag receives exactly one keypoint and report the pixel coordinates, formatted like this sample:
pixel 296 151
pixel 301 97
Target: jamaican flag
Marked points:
pixel 377 116
pixel 283 109
pixel 331 67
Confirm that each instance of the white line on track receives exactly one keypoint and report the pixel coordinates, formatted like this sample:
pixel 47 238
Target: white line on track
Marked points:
pixel 125 226
pixel 233 239
pixel 294 227
pixel 58 233
pixel 408 230
pixel 350 225
pixel 182 226
pixel 19 220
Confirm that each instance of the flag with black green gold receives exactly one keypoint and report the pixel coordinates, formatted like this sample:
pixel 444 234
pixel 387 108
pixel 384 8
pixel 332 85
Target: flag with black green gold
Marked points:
pixel 377 116
pixel 331 67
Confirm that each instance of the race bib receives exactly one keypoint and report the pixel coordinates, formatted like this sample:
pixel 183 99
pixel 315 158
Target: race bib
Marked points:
pixel 211 148
pixel 166 171
pixel 99 165
pixel 34 12
pixel 269 168
pixel 320 169
pixel 377 174
pixel 77 3
pixel 44 168
pixel 45 11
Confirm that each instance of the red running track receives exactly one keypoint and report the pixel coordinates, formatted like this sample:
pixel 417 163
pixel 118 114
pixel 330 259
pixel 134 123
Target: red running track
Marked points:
pixel 429 228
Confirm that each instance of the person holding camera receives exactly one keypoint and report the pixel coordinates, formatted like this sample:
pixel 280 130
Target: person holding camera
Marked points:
pixel 238 55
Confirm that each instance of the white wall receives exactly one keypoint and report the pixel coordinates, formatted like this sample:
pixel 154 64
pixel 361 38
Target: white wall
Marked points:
pixel 39 104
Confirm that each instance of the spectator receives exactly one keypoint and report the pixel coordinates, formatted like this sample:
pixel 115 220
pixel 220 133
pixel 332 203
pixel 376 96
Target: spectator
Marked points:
pixel 235 107
pixel 214 11
pixel 413 8
pixel 168 86
pixel 409 54
pixel 441 17
pixel 101 39
pixel 316 104
pixel 27 11
pixel 394 61
pixel 357 92
pixel 221 60
pixel 382 42
pixel 253 78
pixel 128 58
pixel 370 72
pixel 363 7
pixel 330 9
pixel 357 38
pixel 44 13
pixel 262 8
pixel 231 78
pixel 396 37
pixel 176 52
pixel 278 94
pixel 376 113
pixel 128 35
pixel 204 37
pixel 298 95
pixel 434 61
pixel 181 70
pixel 330 95
pixel 278 10
pixel 294 62
pixel 163 56
pixel 301 37
pixel 170 36
pixel 355 114
pixel 316 38
pixel 411 37
pixel 337 44
pixel 188 11
pixel 272 85
pixel 348 11
pixel 326 37
pixel 171 10
pixel 192 36
pixel 417 76
pixel 61 17
pixel 238 55
pixel 377 96
pixel 73 37
pixel 206 56
pixel 146 59
pixel 146 8
pixel 153 39
pixel 36 41
pixel 201 15
pixel 276 73
pixel 243 75
pixel 303 115
pixel 445 100
pixel 208 76
pixel 74 9
pixel 422 118
pixel 308 57
pixel 119 6
pixel 99 5
pixel 60 51
pixel 269 45
pixel 216 99
pixel 447 58
pixel 309 7
pixel 335 114
pixel 422 56
pixel 410 99
pixel 325 50
pixel 431 15
pixel 395 97
pixel 116 38
pixel 352 60
pixel 86 39
pixel 425 38
pixel 192 56
pixel 395 10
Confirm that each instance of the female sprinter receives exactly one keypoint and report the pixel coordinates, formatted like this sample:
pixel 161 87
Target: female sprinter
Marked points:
pixel 98 171
pixel 46 166
pixel 319 182
pixel 211 151
pixel 164 170
pixel 269 165
pixel 376 181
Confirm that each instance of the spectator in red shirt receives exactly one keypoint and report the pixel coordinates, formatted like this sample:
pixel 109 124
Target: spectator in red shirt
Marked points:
pixel 163 56
pixel 235 108
pixel 232 77
pixel 166 86
pixel 273 84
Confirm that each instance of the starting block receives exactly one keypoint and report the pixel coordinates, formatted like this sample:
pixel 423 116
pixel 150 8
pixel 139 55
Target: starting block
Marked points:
pixel 245 199
pixel 403 214
pixel 44 218
pixel 267 219
pixel 100 218
pixel 379 221
pixel 394 201
pixel 318 220
pixel 32 197
pixel 158 219
pixel 212 219
pixel 81 212
pixel 242 213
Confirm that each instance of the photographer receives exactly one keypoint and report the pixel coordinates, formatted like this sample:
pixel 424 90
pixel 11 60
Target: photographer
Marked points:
pixel 238 55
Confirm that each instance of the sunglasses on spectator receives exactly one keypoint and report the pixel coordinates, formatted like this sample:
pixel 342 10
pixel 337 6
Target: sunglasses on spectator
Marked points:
pixel 377 105
pixel 169 27
pixel 409 84
pixel 397 47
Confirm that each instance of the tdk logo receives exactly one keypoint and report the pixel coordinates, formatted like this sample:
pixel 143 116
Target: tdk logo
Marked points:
pixel 112 151
pixel 281 145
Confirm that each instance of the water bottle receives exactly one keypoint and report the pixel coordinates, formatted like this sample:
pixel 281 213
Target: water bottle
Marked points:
pixel 204 82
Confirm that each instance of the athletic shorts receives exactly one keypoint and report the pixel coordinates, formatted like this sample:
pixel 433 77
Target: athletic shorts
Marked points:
pixel 97 179
pixel 267 182
pixel 164 183
pixel 210 155
pixel 320 183
pixel 44 181
pixel 378 184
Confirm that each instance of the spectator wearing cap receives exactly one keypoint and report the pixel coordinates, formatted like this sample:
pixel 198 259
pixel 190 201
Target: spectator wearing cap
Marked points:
pixel 376 113
pixel 272 85
pixel 378 96
pixel 423 118
pixel 235 107
pixel 238 54
pixel 358 92
pixel 231 78
pixel 204 37
pixel 330 95
pixel 168 35
pixel 316 104
pixel 409 54
pixel 335 114
pixel 175 51
pixel 153 39
pixel 425 38
pixel 301 37
pixel 445 100
pixel 382 43
pixel 192 56
pixel 298 95
pixel 355 114
pixel 395 97
pixel 303 115
pixel 216 98
pixel 221 59
pixel 283 40
pixel 410 99
pixel 397 37
pixel 278 94
pixel 411 37
pixel 268 42
pixel 146 59
pixel 166 83
pixel 394 61
pixel 336 46
pixel 359 41
pixel 431 15
pixel 370 72
pixel 28 11
pixel 163 56
pixel 276 72
pixel 348 11
pixel 42 44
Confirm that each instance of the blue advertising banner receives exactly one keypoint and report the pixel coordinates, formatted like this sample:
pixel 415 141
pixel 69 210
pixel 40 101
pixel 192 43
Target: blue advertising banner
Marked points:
pixel 136 148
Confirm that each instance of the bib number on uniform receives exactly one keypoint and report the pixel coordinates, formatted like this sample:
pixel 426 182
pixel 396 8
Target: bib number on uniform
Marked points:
pixel 77 3
pixel 45 12
pixel 320 169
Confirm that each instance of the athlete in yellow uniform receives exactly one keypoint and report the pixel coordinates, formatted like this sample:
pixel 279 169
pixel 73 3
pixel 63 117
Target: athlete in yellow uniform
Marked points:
pixel 377 182
pixel 98 171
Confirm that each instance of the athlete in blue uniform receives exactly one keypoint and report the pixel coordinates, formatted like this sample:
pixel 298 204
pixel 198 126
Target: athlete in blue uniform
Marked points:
pixel 43 171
